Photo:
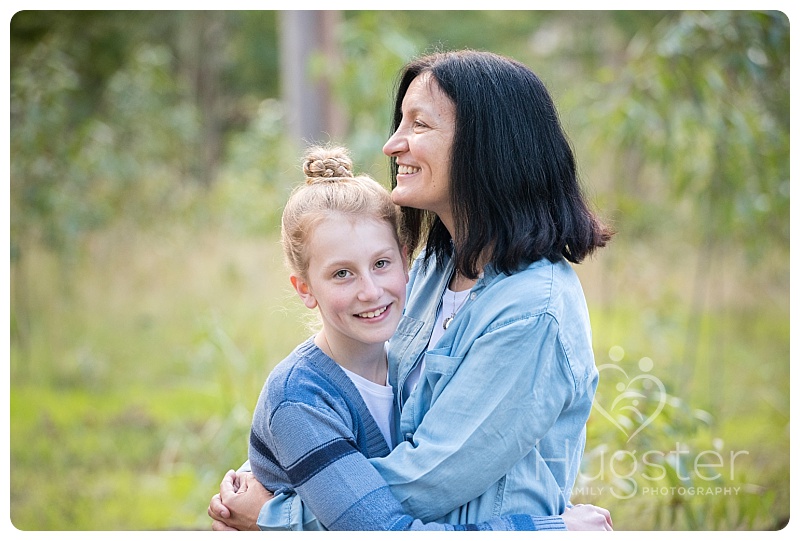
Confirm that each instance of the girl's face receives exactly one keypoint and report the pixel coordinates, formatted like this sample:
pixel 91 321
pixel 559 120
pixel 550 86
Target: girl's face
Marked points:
pixel 357 278
pixel 422 145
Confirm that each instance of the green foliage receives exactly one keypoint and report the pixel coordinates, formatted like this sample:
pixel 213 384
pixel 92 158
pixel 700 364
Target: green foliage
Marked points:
pixel 138 387
pixel 127 161
pixel 259 174
pixel 703 100
pixel 39 108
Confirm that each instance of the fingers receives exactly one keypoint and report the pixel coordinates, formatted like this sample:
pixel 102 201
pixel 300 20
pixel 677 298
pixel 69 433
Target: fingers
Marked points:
pixel 606 518
pixel 606 513
pixel 230 485
pixel 216 510
pixel 587 517
pixel 230 482
pixel 218 526
pixel 245 479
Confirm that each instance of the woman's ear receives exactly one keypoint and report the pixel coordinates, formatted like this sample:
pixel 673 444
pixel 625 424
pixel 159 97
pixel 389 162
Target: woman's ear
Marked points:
pixel 303 291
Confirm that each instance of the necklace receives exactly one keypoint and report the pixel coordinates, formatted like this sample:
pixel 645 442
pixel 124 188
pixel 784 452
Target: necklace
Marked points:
pixel 448 320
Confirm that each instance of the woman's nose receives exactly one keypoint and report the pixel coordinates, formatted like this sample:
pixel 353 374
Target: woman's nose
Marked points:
pixel 395 145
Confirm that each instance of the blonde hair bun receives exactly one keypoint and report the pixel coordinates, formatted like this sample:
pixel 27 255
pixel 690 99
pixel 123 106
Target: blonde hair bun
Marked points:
pixel 323 164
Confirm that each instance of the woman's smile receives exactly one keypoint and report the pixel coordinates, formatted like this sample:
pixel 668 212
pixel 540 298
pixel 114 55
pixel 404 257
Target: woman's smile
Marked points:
pixel 407 170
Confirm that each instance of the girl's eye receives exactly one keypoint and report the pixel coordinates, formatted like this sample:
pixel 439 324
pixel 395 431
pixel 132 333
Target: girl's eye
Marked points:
pixel 380 264
pixel 341 274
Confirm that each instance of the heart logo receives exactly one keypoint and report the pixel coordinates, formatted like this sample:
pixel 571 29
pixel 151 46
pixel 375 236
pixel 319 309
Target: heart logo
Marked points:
pixel 633 393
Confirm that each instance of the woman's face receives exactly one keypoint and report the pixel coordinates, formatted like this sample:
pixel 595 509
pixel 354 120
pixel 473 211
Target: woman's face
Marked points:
pixel 421 145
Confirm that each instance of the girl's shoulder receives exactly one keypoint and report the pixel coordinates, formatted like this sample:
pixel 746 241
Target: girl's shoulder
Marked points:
pixel 306 371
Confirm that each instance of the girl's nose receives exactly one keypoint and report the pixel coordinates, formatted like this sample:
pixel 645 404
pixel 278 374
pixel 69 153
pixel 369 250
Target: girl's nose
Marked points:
pixel 370 290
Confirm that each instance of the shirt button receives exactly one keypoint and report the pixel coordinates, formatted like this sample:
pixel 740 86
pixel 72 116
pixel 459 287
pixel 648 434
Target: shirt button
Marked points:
pixel 473 295
pixel 409 436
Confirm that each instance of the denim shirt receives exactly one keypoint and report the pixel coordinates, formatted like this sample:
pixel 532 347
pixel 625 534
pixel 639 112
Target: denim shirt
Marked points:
pixel 496 424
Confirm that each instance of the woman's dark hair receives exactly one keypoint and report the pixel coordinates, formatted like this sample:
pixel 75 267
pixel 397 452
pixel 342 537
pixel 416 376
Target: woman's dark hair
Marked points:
pixel 514 190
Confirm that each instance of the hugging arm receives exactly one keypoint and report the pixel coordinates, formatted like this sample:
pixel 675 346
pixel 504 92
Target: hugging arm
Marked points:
pixel 482 405
pixel 316 450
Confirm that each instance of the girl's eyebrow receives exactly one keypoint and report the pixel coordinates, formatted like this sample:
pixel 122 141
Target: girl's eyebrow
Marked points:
pixel 337 263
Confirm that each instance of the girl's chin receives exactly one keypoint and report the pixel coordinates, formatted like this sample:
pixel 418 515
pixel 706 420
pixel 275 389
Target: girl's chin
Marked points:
pixel 382 332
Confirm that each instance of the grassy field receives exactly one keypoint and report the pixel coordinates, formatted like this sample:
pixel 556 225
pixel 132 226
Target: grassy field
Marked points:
pixel 135 366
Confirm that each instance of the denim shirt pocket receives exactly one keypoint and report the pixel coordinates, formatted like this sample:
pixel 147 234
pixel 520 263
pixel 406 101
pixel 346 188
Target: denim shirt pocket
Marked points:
pixel 439 368
pixel 403 348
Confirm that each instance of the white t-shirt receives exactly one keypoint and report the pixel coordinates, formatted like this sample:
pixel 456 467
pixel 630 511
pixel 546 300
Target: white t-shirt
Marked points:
pixel 379 400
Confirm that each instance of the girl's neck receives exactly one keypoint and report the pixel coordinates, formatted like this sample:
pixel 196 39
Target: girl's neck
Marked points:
pixel 366 360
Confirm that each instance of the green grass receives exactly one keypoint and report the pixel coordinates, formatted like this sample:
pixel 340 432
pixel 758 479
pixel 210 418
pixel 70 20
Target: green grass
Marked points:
pixel 134 369
pixel 728 404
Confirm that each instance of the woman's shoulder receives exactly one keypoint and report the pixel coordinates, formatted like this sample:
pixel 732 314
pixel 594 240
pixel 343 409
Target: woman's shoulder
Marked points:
pixel 543 272
pixel 542 286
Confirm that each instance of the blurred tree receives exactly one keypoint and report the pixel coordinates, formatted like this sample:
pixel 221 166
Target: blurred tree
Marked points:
pixel 228 60
pixel 710 91
pixel 311 114
pixel 97 44
pixel 200 40
pixel 372 47
pixel 697 110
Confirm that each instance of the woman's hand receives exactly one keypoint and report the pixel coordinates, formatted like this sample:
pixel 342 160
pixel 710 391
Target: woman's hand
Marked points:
pixel 587 517
pixel 238 503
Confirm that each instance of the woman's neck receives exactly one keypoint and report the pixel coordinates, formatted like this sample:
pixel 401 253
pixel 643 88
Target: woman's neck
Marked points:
pixel 459 282
pixel 366 360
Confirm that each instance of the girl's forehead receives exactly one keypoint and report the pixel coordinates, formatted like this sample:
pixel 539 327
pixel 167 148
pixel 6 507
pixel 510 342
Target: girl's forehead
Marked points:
pixel 344 219
pixel 347 229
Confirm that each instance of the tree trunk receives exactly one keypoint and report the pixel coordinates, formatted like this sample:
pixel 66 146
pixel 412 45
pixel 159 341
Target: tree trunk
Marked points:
pixel 311 113
pixel 202 45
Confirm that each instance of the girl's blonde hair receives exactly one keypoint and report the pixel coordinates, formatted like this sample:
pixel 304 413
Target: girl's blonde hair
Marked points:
pixel 329 188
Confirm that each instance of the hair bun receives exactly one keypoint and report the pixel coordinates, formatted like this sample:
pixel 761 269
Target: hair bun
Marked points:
pixel 326 164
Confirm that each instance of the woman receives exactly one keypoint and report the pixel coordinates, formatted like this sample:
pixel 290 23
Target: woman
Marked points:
pixel 492 362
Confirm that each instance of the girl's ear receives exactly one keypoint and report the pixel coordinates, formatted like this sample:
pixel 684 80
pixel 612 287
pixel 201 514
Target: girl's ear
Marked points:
pixel 303 291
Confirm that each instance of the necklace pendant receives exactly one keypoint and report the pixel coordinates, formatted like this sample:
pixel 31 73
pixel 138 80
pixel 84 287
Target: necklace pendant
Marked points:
pixel 447 322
